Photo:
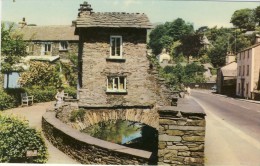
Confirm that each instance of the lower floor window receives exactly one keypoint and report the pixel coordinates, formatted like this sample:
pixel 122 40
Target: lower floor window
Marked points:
pixel 116 84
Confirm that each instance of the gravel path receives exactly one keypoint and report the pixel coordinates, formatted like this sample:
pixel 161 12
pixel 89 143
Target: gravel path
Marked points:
pixel 34 115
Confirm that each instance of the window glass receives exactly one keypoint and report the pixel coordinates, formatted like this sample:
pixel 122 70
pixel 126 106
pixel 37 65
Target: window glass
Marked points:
pixel 116 46
pixel 116 84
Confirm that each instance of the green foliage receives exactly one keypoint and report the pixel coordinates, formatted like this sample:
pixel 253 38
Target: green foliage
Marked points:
pixel 6 101
pixel 16 138
pixel 77 114
pixel 178 75
pixel 41 74
pixel 12 49
pixel 191 45
pixel 42 95
pixel 244 19
pixel 10 98
pixel 71 91
pixel 70 70
pixel 164 35
pixel 257 15
pixel 204 59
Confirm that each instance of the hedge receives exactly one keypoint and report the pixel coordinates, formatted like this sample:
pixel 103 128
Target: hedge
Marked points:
pixel 17 138
pixel 10 98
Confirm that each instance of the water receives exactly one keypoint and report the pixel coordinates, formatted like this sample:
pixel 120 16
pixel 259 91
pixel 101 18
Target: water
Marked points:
pixel 127 133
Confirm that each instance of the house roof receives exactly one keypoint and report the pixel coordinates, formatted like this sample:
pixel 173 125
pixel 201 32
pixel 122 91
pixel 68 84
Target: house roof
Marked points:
pixel 230 70
pixel 253 46
pixel 49 33
pixel 114 20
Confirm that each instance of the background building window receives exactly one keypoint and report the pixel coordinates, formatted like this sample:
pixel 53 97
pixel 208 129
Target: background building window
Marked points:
pixel 247 70
pixel 30 49
pixel 239 71
pixel 64 45
pixel 238 88
pixel 243 70
pixel 116 84
pixel 116 46
pixel 46 49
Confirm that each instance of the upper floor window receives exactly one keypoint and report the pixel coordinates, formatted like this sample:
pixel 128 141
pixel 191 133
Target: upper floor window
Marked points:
pixel 239 71
pixel 243 70
pixel 116 47
pixel 46 49
pixel 240 56
pixel 248 53
pixel 64 46
pixel 116 84
pixel 247 70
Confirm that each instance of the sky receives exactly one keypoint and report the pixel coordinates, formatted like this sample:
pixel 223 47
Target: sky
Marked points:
pixel 62 12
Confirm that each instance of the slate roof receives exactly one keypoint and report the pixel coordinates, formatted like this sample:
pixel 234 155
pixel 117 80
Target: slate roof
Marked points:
pixel 114 20
pixel 49 33
pixel 230 70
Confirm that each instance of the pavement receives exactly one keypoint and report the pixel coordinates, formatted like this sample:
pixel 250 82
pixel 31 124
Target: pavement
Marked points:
pixel 34 116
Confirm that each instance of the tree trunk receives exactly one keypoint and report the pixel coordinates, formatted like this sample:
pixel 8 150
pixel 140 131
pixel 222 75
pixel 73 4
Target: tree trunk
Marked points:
pixel 7 80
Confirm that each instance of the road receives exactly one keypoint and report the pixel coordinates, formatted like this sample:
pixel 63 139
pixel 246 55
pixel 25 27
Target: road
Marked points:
pixel 232 130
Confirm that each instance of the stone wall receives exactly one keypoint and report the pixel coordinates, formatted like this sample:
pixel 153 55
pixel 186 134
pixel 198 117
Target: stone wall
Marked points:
pixel 87 149
pixel 92 116
pixel 72 49
pixel 181 134
pixel 96 66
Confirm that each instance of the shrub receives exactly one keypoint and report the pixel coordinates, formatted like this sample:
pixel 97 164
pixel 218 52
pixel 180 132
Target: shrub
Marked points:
pixel 42 95
pixel 16 138
pixel 6 101
pixel 71 91
pixel 77 114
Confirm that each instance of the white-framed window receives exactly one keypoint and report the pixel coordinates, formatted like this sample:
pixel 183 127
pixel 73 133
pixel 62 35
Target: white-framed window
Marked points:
pixel 46 49
pixel 116 84
pixel 63 46
pixel 116 48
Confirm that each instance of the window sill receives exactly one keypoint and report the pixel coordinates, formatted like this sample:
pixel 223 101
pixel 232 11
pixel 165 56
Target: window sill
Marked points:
pixel 116 92
pixel 115 59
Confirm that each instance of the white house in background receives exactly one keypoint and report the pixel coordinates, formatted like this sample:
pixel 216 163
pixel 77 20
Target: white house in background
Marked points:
pixel 164 58
pixel 248 66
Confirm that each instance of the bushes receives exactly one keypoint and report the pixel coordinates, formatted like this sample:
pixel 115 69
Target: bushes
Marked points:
pixel 6 101
pixel 16 138
pixel 11 98
pixel 42 95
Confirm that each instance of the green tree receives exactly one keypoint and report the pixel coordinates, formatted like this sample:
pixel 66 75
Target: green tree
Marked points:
pixel 164 35
pixel 257 15
pixel 191 45
pixel 244 19
pixel 155 39
pixel 12 49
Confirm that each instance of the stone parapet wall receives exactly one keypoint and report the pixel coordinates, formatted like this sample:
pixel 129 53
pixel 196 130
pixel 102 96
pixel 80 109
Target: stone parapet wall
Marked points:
pixel 181 134
pixel 148 116
pixel 87 149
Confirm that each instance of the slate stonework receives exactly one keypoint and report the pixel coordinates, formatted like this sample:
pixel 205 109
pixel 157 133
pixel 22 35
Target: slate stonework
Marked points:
pixel 96 68
pixel 181 135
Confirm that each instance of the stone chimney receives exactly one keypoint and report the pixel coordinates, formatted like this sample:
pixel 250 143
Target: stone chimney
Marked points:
pixel 257 38
pixel 22 23
pixel 85 9
pixel 230 57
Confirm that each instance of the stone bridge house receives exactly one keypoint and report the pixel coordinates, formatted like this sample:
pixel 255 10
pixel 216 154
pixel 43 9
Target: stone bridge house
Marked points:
pixel 116 80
